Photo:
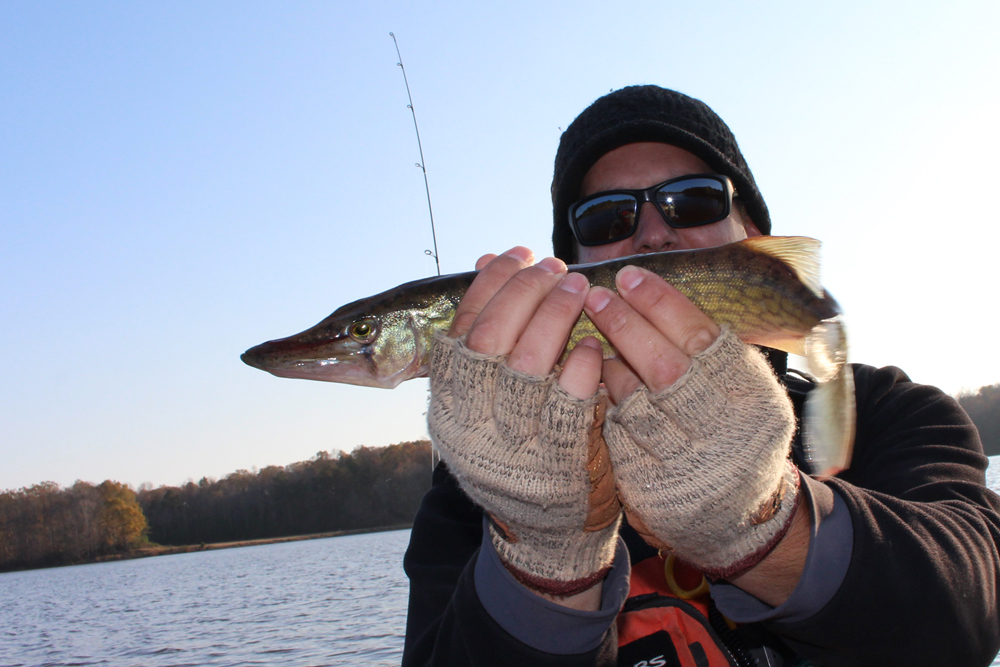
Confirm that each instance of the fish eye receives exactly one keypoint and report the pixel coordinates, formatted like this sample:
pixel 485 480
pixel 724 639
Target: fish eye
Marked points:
pixel 363 331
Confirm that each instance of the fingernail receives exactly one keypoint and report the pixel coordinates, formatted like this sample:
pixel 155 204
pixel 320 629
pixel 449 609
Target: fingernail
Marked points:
pixel 552 265
pixel 629 277
pixel 592 342
pixel 520 253
pixel 598 299
pixel 574 282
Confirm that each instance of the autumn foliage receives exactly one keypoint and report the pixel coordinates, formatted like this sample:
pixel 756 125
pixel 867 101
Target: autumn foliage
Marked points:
pixel 47 525
pixel 371 487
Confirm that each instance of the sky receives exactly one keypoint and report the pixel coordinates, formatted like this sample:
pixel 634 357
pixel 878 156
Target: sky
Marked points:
pixel 181 181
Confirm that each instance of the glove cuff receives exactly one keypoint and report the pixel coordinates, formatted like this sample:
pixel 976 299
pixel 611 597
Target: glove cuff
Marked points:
pixel 752 541
pixel 549 563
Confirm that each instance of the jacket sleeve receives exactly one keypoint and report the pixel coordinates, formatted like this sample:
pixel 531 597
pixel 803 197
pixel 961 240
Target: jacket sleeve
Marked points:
pixel 446 622
pixel 921 587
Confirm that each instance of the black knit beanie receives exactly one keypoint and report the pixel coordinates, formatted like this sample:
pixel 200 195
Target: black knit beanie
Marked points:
pixel 645 113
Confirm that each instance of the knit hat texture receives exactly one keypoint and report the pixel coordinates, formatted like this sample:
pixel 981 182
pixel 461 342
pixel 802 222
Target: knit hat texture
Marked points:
pixel 645 113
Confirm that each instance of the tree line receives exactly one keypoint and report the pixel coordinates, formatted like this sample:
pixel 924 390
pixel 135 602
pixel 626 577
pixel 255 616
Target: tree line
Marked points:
pixel 44 524
pixel 371 487
pixel 983 406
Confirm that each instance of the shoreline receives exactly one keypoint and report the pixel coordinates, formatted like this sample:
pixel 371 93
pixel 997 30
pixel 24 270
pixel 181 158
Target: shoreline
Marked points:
pixel 146 552
pixel 152 551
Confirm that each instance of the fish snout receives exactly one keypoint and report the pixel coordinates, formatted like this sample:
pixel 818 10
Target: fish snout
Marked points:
pixel 253 357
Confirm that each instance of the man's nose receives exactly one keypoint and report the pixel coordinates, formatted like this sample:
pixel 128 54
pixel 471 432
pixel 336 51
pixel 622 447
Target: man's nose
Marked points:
pixel 653 234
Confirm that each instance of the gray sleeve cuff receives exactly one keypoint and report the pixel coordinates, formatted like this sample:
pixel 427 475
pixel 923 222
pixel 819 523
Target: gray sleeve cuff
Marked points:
pixel 540 623
pixel 830 545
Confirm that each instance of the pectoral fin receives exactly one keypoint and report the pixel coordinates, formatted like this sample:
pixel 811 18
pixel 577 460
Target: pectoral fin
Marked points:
pixel 830 412
pixel 828 428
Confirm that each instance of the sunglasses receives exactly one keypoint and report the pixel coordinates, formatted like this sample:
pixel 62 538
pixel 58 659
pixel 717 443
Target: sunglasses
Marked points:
pixel 688 201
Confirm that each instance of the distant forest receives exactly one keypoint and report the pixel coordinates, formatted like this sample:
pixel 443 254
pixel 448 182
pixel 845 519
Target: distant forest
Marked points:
pixel 371 487
pixel 44 525
pixel 984 407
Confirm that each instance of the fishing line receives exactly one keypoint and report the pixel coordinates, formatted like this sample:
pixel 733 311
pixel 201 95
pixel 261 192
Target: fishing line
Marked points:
pixel 422 163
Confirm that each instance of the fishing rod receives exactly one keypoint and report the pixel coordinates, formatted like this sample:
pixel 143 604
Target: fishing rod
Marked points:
pixel 435 456
pixel 422 163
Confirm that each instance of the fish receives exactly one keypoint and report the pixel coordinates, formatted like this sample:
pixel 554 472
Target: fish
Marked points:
pixel 766 289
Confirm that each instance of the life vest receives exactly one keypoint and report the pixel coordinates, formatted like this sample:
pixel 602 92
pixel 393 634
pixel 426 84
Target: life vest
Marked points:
pixel 669 620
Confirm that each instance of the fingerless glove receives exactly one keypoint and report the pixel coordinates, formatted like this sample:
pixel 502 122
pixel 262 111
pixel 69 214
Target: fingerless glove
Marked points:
pixel 534 458
pixel 702 467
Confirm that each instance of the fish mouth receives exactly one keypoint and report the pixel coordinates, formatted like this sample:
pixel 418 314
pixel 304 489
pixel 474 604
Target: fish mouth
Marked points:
pixel 290 359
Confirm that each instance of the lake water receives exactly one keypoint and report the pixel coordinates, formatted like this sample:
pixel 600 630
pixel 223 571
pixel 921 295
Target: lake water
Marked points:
pixel 336 601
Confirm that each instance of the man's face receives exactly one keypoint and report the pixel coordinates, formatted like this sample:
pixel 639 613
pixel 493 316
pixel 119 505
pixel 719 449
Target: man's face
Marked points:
pixel 636 166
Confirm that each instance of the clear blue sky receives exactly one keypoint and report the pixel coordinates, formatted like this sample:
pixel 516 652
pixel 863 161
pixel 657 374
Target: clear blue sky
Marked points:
pixel 180 181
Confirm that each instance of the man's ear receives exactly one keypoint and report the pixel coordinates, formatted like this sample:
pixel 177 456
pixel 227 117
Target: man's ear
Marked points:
pixel 748 225
pixel 751 229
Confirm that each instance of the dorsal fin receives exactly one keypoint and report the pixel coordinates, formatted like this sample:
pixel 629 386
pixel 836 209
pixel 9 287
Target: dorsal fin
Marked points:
pixel 799 253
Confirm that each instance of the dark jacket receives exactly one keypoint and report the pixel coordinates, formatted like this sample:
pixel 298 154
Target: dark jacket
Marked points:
pixel 921 588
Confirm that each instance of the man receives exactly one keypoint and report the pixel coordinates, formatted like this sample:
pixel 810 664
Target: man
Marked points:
pixel 519 554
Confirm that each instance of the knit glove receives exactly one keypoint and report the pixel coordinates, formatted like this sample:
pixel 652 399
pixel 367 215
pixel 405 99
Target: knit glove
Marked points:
pixel 534 458
pixel 702 466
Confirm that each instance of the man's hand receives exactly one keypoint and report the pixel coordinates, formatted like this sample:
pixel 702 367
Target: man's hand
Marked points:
pixel 701 430
pixel 513 308
pixel 522 441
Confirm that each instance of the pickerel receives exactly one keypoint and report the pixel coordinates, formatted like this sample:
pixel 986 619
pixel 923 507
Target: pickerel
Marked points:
pixel 766 289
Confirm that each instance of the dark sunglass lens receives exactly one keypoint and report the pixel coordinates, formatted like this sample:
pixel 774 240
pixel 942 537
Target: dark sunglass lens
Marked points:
pixel 605 219
pixel 693 202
